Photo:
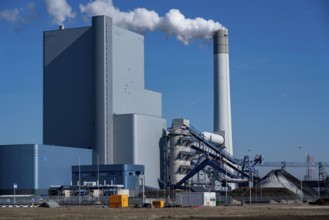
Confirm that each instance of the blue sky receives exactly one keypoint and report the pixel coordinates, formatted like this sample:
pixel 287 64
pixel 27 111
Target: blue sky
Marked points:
pixel 279 65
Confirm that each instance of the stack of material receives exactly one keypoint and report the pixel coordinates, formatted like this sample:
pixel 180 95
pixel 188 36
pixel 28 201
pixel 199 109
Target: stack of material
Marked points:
pixel 283 179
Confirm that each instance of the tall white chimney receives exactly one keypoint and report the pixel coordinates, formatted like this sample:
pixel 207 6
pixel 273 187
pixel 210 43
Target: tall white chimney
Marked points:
pixel 222 97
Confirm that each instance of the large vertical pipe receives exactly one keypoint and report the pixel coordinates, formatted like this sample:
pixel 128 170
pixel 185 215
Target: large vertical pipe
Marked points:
pixel 222 97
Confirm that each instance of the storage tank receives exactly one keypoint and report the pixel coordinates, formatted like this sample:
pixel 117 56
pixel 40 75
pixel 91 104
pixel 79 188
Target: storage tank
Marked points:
pixel 215 138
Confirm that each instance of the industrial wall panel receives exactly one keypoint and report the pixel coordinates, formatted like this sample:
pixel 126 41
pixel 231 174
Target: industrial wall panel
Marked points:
pixel 123 138
pixel 128 70
pixel 128 60
pixel 55 164
pixel 36 167
pixel 149 132
pixel 150 103
pixel 137 141
pixel 128 76
pixel 17 166
pixel 68 88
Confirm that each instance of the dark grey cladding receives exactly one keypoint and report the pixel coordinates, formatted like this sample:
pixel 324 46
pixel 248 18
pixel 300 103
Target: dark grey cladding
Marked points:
pixel 68 88
pixel 220 41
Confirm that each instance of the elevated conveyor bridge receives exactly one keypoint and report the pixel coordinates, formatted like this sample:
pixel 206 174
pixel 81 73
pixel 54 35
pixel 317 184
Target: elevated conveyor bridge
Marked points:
pixel 218 158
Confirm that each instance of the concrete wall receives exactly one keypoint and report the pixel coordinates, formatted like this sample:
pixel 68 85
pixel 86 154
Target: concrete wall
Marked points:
pixel 35 167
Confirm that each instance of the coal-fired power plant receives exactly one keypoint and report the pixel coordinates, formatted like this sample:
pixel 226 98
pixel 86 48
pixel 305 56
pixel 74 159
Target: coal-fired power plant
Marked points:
pixel 108 133
pixel 104 137
pixel 222 97
pixel 186 143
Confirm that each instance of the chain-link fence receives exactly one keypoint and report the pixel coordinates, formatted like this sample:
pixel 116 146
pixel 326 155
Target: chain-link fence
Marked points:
pixel 168 196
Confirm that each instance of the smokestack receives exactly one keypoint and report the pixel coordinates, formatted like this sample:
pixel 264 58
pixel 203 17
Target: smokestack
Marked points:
pixel 222 97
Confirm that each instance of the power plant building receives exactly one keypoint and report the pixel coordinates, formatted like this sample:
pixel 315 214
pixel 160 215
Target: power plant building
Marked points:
pixel 95 102
pixel 94 96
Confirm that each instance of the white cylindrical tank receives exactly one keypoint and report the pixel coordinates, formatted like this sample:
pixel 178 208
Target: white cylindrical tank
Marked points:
pixel 215 138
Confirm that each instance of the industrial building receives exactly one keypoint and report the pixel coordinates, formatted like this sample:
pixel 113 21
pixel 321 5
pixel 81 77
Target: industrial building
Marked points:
pixel 101 125
pixel 33 168
pixel 129 175
pixel 94 105
pixel 94 96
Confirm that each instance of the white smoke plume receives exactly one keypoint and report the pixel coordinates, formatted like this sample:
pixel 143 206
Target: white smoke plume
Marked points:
pixel 141 19
pixel 59 10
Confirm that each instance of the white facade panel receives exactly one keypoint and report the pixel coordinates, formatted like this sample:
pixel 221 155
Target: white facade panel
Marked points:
pixel 129 94
pixel 128 70
pixel 136 141
pixel 147 150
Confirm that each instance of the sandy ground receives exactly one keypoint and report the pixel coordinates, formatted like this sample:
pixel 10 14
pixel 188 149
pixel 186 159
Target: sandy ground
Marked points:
pixel 257 212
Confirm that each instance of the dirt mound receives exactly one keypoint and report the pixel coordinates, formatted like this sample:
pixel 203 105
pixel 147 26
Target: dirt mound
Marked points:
pixel 265 191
